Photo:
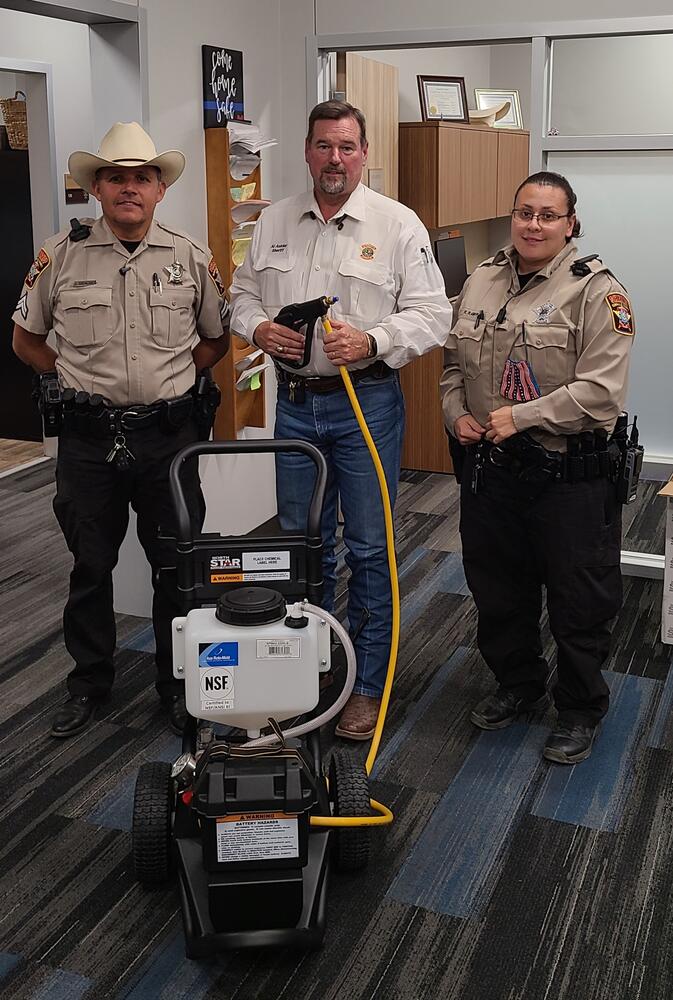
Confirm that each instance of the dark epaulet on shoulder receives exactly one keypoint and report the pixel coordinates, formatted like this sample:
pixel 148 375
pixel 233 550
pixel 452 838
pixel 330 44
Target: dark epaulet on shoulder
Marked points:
pixel 580 267
pixel 499 258
pixel 79 230
pixel 184 236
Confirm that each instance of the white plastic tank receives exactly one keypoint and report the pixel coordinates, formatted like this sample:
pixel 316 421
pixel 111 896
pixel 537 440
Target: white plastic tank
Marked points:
pixel 241 675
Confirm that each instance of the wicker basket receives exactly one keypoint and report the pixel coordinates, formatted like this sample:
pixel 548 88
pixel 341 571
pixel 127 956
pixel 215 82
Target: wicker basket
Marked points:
pixel 16 119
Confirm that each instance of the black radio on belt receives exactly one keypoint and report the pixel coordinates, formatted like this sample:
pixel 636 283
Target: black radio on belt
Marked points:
pixel 631 458
pixel 303 316
pixel 207 397
pixel 47 393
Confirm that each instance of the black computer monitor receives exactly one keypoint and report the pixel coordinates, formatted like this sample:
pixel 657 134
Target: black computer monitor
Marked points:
pixel 450 256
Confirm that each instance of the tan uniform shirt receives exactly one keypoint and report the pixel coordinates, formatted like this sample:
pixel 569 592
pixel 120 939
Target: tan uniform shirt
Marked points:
pixel 122 330
pixel 575 332
pixel 374 254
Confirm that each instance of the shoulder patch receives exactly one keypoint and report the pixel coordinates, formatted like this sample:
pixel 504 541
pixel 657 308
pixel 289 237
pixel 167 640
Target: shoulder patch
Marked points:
pixel 41 263
pixel 620 310
pixel 216 276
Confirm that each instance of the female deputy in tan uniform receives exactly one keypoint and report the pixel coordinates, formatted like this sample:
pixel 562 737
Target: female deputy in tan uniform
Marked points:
pixel 535 378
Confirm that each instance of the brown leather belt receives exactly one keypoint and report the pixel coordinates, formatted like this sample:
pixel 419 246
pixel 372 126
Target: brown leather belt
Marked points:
pixel 331 383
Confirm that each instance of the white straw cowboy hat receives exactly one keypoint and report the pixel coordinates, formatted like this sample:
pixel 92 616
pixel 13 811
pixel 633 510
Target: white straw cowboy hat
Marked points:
pixel 127 144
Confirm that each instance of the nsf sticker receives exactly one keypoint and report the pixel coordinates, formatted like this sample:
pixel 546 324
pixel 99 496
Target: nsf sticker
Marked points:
pixel 217 690
pixel 218 654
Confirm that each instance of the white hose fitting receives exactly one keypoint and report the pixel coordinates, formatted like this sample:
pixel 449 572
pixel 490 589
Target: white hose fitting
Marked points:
pixel 326 716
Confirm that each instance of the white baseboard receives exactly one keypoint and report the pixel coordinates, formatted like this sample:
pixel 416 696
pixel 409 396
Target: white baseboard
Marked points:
pixel 657 467
pixel 646 564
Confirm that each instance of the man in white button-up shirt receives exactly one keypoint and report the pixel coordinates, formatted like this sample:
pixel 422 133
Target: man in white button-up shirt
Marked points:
pixel 344 240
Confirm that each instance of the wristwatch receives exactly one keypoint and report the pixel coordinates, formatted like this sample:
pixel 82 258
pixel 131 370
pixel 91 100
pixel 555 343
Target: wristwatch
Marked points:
pixel 373 346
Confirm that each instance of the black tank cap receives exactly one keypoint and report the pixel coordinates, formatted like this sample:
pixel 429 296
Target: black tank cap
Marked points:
pixel 250 606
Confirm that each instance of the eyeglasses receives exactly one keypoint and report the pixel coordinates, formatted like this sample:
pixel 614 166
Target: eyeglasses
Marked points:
pixel 543 218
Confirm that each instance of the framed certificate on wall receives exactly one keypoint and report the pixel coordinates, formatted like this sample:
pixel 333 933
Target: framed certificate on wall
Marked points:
pixel 492 98
pixel 443 98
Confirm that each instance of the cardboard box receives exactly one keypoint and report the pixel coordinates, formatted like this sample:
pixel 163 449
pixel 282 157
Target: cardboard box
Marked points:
pixel 667 601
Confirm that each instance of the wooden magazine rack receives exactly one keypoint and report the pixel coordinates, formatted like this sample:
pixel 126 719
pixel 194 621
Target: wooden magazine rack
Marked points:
pixel 238 409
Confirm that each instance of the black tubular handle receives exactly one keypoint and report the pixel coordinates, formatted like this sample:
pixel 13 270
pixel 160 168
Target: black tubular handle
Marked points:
pixel 258 446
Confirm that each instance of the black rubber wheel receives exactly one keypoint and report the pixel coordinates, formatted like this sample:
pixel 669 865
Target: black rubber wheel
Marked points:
pixel 349 792
pixel 152 820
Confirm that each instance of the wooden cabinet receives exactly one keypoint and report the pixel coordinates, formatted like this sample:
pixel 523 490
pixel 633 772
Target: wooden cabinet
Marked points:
pixel 425 446
pixel 451 174
pixel 513 151
pixel 237 409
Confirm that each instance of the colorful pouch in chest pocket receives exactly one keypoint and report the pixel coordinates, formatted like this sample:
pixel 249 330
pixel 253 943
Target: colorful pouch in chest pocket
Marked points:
pixel 518 381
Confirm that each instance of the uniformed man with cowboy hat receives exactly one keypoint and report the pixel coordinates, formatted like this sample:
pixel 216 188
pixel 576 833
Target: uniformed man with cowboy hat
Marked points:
pixel 137 308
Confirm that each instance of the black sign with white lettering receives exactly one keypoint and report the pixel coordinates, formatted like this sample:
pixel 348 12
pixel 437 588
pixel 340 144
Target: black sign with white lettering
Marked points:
pixel 222 86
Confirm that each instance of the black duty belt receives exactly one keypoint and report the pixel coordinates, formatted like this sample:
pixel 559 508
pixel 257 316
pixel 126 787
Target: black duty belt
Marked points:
pixel 330 383
pixel 526 459
pixel 92 418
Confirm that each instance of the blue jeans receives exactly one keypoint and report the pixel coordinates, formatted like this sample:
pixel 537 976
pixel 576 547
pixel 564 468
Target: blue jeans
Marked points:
pixel 327 421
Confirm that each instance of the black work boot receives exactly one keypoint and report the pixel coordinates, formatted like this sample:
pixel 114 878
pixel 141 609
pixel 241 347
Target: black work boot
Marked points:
pixel 74 717
pixel 569 744
pixel 500 709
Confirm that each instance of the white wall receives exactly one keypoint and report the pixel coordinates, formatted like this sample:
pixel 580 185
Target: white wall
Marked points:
pixel 65 46
pixel 398 15
pixel 630 80
pixel 8 85
pixel 175 37
pixel 510 70
pixel 470 61
pixel 115 76
pixel 244 486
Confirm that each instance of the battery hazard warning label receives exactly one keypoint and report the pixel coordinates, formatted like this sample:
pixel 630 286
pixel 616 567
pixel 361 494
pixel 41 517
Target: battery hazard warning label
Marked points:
pixel 257 837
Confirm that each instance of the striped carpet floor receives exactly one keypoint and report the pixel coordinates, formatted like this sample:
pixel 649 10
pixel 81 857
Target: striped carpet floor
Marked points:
pixel 502 878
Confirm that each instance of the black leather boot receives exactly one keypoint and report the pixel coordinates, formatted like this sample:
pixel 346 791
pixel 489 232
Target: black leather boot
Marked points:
pixel 570 744
pixel 500 709
pixel 76 715
pixel 174 705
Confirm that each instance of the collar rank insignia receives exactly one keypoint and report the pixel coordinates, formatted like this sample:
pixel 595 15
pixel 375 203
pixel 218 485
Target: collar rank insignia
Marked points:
pixel 622 316
pixel 543 312
pixel 175 272
pixel 367 251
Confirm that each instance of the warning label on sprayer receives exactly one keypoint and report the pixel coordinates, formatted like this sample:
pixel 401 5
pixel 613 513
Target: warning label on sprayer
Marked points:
pixel 257 837
pixel 248 577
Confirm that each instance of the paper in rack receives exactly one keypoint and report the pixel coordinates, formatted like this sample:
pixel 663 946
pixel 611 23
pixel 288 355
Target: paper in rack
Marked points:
pixel 242 166
pixel 243 210
pixel 249 379
pixel 247 138
pixel 239 248
pixel 248 359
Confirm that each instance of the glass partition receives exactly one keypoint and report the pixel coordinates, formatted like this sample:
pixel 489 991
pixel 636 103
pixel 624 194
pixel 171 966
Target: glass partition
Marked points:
pixel 625 203
pixel 612 85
